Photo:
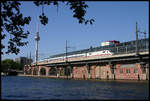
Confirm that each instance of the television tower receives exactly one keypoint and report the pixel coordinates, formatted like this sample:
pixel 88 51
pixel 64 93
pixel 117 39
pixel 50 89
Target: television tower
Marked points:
pixel 37 38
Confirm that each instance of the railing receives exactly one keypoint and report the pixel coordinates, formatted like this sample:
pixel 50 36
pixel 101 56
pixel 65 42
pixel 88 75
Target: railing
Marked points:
pixel 122 48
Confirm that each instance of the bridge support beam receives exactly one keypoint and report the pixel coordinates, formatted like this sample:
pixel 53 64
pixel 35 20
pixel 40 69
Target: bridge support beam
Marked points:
pixel 112 69
pixel 144 68
pixel 58 71
pixel 89 70
pixel 72 74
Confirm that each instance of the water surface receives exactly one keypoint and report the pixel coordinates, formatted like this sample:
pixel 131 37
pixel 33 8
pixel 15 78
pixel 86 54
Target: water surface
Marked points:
pixel 35 88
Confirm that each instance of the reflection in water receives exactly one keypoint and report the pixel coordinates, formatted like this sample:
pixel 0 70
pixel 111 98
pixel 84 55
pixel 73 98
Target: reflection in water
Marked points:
pixel 30 88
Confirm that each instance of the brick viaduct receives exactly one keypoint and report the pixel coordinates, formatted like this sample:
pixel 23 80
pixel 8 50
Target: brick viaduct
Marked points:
pixel 116 67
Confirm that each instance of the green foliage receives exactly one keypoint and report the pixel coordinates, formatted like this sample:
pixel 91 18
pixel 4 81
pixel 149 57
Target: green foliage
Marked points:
pixel 9 64
pixel 78 8
pixel 12 21
pixel 43 19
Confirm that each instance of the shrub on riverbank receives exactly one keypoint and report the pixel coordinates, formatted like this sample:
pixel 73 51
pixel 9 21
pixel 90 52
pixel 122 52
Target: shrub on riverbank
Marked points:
pixel 9 64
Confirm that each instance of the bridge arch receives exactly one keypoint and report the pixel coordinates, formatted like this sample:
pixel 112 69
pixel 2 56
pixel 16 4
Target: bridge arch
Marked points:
pixel 35 71
pixel 42 71
pixel 52 71
pixel 67 71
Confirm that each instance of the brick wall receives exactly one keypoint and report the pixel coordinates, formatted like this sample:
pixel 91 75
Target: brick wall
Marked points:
pixel 130 72
pixel 100 71
pixel 96 72
pixel 79 72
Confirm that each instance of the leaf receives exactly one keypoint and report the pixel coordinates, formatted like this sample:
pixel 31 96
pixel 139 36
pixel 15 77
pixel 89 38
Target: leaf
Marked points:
pixel 43 19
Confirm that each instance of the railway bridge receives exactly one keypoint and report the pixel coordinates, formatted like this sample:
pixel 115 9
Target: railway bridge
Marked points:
pixel 127 62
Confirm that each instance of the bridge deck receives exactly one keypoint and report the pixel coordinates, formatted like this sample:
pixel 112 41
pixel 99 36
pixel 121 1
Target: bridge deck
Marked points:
pixel 91 58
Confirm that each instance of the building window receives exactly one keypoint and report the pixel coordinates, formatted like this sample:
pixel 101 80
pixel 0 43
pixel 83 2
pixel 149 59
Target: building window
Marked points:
pixel 136 70
pixel 121 71
pixel 127 70
pixel 144 70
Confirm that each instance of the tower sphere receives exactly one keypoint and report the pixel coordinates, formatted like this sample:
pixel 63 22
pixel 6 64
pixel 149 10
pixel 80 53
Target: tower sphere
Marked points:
pixel 37 38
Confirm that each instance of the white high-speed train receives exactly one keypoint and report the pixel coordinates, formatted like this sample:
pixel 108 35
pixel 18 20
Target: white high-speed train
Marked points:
pixel 89 54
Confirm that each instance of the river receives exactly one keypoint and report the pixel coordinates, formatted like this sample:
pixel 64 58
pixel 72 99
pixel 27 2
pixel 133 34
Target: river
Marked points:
pixel 37 88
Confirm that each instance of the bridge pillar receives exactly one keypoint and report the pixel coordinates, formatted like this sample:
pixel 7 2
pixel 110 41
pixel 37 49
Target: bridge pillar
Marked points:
pixel 92 71
pixel 112 69
pixel 144 69
pixel 58 75
pixel 39 67
pixel 68 71
pixel 32 68
pixel 58 71
pixel 71 71
pixel 38 72
pixel 85 72
pixel 89 70
pixel 35 71
pixel 47 71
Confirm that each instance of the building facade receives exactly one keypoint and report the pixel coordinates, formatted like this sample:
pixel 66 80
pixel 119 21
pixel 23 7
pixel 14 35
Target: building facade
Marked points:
pixel 23 61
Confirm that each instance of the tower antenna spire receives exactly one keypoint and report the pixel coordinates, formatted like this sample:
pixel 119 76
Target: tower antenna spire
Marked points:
pixel 37 25
pixel 37 38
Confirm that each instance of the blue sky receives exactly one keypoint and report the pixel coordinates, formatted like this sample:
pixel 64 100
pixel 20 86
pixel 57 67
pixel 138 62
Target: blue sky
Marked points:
pixel 113 21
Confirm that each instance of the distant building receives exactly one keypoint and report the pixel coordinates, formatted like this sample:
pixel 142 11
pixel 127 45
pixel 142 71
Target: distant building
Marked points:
pixel 23 61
